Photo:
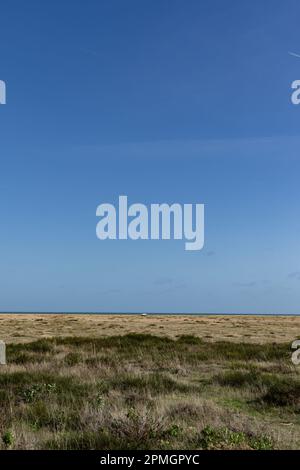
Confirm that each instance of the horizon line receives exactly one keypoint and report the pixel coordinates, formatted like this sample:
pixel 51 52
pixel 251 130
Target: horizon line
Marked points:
pixel 146 313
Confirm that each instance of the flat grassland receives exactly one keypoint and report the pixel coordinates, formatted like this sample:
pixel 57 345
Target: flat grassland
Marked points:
pixel 126 382
pixel 19 328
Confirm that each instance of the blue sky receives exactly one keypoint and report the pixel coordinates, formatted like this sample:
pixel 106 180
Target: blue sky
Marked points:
pixel 181 101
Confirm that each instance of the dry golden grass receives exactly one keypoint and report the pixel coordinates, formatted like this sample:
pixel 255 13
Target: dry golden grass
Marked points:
pixel 237 328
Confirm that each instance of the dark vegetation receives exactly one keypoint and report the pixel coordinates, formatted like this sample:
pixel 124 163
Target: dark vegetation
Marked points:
pixel 147 392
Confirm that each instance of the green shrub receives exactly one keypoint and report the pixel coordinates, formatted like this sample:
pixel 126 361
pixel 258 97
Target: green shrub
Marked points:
pixel 224 438
pixel 283 393
pixel 239 379
pixel 38 391
pixel 8 439
pixel 261 443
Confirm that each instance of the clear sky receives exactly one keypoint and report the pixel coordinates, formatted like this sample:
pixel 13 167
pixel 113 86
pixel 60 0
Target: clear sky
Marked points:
pixel 164 101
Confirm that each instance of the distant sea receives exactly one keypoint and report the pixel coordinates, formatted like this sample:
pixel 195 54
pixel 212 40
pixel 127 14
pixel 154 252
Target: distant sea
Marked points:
pixel 155 313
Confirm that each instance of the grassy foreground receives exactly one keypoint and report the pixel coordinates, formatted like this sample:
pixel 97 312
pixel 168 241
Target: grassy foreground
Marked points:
pixel 147 392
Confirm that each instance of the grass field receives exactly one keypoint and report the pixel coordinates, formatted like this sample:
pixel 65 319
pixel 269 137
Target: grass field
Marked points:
pixel 142 391
pixel 238 328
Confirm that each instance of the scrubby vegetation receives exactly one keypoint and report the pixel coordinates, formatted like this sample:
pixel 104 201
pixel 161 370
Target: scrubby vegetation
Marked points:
pixel 148 392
